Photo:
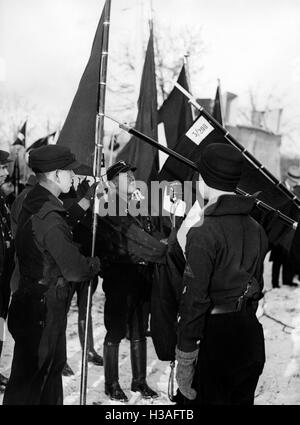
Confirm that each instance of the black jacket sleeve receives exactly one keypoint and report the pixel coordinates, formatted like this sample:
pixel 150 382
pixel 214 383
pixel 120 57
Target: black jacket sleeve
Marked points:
pixel 73 265
pixel 195 300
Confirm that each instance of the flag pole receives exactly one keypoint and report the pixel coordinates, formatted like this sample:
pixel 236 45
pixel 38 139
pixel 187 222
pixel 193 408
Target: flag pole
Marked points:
pixel 111 149
pixel 188 76
pixel 17 174
pixel 99 136
pixel 261 168
pixel 260 204
pixel 220 100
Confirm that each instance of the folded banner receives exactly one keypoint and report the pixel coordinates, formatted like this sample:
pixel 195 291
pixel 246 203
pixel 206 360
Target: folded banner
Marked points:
pixel 143 156
pixel 125 240
pixel 78 132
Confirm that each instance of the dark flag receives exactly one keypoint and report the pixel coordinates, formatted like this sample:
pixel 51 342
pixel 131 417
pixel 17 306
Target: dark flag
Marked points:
pixel 174 169
pixel 171 170
pixel 137 153
pixel 78 132
pixel 217 110
pixel 204 132
pixel 176 113
pixel 21 137
pixel 43 141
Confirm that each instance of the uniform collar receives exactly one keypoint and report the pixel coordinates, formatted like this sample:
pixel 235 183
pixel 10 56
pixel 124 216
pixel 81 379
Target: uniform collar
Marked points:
pixel 40 196
pixel 230 205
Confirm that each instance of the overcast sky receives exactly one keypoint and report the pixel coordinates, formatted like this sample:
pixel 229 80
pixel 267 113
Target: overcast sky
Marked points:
pixel 45 44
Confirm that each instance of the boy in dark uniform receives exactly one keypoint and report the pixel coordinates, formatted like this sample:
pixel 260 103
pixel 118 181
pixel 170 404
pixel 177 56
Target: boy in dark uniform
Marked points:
pixel 220 343
pixel 48 261
pixel 128 251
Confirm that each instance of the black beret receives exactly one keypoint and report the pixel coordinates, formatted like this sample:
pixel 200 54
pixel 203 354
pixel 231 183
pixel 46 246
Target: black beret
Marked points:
pixel 52 157
pixel 4 157
pixel 117 168
pixel 220 166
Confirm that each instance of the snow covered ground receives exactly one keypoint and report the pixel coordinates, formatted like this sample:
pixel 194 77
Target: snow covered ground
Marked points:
pixel 279 384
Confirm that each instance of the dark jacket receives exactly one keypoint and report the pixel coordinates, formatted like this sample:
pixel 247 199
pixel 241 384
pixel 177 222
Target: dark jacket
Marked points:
pixel 44 244
pixel 6 256
pixel 18 202
pixel 222 255
pixel 74 215
pixel 123 238
pixel 165 299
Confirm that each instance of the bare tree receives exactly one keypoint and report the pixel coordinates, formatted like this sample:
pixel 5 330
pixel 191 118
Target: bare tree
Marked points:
pixel 170 45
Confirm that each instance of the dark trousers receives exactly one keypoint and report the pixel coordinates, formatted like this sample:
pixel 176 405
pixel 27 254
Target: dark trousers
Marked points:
pixel 288 273
pixel 127 290
pixel 276 266
pixel 81 289
pixel 37 321
pixel 280 259
pixel 231 359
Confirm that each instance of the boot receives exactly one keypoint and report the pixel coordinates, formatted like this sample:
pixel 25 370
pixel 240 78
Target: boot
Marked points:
pixel 288 274
pixel 67 371
pixel 93 356
pixel 275 274
pixel 111 372
pixel 138 353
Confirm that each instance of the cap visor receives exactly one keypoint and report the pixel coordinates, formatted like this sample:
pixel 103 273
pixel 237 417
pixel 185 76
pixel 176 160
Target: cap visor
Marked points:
pixel 126 169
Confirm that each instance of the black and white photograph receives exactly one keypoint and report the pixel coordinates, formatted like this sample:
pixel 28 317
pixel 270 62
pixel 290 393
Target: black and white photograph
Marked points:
pixel 149 205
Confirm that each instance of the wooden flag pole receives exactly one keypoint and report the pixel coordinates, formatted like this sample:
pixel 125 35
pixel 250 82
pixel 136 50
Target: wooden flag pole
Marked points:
pixel 220 100
pixel 261 168
pixel 260 204
pixel 187 71
pixel 111 146
pixel 99 136
pixel 17 174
